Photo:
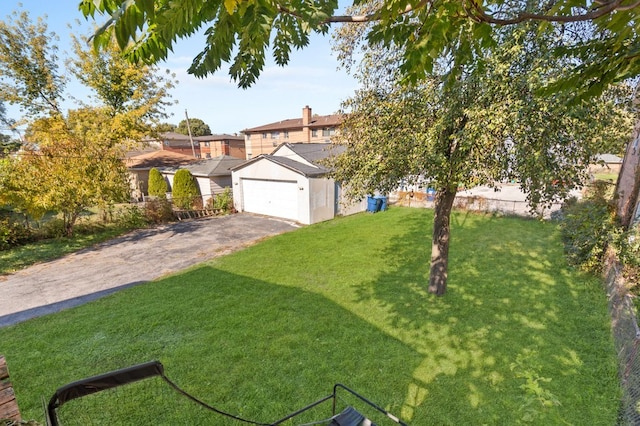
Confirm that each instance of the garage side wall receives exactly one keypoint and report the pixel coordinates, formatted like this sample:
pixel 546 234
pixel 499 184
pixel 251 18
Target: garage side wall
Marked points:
pixel 321 205
pixel 204 184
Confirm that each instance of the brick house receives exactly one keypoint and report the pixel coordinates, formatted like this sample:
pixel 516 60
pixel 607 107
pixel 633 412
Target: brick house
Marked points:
pixel 209 146
pixel 306 129
pixel 140 165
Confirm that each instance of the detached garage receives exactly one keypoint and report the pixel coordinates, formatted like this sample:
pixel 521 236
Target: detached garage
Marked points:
pixel 288 184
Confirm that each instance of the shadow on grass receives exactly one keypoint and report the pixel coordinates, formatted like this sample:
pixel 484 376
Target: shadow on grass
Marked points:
pixel 268 330
pixel 518 336
pixel 244 345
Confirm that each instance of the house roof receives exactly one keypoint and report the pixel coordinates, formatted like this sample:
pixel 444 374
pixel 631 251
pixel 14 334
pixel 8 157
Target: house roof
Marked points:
pixel 609 159
pixel 141 149
pixel 296 123
pixel 217 166
pixel 221 137
pixel 159 159
pixel 312 152
pixel 288 163
pixel 173 136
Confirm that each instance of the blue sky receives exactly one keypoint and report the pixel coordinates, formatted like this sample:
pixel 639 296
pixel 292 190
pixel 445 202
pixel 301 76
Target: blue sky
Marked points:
pixel 311 78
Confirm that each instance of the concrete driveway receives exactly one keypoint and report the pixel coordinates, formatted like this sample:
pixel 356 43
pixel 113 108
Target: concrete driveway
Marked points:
pixel 135 258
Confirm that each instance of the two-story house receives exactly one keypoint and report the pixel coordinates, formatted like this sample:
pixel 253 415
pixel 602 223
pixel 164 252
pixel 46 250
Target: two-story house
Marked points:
pixel 306 129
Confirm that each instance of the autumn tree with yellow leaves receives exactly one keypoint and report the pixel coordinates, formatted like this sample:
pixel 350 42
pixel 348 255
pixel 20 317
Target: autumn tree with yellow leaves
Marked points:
pixel 73 160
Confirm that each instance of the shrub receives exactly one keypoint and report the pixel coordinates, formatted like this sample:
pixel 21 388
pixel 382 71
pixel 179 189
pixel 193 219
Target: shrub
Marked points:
pixel 52 228
pixel 13 234
pixel 158 211
pixel 223 201
pixel 157 184
pixel 587 228
pixel 185 190
pixel 131 217
pixel 628 250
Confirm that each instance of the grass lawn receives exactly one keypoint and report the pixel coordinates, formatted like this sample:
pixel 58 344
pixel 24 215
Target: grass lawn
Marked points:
pixel 42 251
pixel 518 338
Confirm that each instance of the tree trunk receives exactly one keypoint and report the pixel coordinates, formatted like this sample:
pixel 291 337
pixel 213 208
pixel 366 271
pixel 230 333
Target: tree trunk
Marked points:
pixel 440 243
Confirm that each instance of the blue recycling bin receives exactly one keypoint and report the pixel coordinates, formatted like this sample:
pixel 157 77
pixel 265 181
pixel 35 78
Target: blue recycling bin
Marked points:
pixel 381 204
pixel 431 194
pixel 371 204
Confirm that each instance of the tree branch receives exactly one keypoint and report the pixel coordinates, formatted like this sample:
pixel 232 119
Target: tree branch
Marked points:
pixel 370 17
pixel 479 15
pixel 475 11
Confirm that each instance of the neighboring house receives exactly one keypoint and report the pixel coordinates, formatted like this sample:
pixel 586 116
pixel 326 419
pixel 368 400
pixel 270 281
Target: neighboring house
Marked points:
pixel 212 175
pixel 307 129
pixel 203 146
pixel 606 163
pixel 212 146
pixel 140 165
pixel 290 183
pixel 628 187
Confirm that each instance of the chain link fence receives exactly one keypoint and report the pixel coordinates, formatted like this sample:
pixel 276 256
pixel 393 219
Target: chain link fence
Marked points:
pixel 473 203
pixel 626 334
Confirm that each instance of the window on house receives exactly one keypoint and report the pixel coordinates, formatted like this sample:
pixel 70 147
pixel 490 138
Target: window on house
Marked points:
pixel 328 131
pixel 206 144
pixel 264 136
pixel 248 136
pixel 286 134
pixel 314 133
pixel 275 135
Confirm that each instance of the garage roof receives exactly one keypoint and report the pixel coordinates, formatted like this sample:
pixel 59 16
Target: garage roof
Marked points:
pixel 289 163
pixel 159 159
pixel 217 166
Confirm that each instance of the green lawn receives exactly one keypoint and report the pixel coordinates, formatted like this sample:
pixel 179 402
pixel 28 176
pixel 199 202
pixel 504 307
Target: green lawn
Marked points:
pixel 518 338
pixel 45 250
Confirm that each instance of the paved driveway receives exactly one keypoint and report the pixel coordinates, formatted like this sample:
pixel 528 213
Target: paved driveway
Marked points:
pixel 135 258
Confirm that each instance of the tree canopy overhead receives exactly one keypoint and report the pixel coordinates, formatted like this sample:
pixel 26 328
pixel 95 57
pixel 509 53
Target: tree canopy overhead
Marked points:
pixel 242 32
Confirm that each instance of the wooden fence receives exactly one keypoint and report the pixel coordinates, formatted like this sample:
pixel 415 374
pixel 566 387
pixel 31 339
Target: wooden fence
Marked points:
pixel 8 405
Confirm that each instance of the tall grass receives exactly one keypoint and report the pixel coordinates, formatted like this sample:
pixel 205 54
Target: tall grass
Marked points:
pixel 519 337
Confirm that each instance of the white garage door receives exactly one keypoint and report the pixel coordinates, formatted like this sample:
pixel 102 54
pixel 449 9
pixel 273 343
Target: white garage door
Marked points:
pixel 270 197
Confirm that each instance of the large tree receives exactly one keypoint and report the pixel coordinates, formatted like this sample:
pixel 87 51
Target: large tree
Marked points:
pixel 74 158
pixel 195 126
pixel 76 165
pixel 136 94
pixel 481 121
pixel 240 32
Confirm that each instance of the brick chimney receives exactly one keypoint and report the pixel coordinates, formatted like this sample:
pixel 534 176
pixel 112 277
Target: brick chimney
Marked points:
pixel 306 119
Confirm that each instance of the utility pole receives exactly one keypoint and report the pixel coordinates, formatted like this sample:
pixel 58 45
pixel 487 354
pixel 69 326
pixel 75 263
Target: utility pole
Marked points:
pixel 193 150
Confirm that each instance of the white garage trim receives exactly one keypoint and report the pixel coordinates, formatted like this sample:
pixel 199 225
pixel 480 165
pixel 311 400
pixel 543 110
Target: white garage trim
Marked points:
pixel 277 198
